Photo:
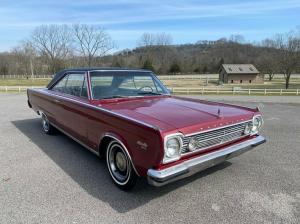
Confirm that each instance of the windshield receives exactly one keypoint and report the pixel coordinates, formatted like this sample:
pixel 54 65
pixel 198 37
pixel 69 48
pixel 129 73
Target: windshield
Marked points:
pixel 117 84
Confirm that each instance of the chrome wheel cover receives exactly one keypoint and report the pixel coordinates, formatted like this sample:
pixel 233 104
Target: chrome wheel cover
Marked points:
pixel 118 163
pixel 45 123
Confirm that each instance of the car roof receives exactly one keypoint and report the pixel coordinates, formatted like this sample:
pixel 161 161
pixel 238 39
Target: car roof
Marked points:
pixel 89 69
pixel 61 73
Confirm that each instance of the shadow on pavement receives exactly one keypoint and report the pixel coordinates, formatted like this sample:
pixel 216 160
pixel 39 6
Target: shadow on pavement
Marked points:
pixel 90 172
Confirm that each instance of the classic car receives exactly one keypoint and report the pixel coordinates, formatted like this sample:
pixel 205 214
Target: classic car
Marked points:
pixel 130 118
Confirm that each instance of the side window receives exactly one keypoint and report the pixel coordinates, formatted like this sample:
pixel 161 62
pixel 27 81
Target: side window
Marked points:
pixel 101 86
pixel 60 86
pixel 75 84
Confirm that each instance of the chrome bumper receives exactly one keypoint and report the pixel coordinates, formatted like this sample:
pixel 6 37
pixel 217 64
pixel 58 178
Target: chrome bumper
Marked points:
pixel 187 168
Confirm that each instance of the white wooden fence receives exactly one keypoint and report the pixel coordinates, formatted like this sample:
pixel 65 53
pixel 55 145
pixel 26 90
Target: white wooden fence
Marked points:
pixel 233 91
pixel 192 91
pixel 25 76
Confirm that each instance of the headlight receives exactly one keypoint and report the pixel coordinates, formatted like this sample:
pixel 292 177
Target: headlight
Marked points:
pixel 256 124
pixel 172 146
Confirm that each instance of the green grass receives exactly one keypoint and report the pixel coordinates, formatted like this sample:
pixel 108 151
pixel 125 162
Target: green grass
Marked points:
pixel 184 83
pixel 276 84
pixel 24 82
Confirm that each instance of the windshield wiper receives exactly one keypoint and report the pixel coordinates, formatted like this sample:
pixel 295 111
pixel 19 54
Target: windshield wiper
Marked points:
pixel 111 97
pixel 150 93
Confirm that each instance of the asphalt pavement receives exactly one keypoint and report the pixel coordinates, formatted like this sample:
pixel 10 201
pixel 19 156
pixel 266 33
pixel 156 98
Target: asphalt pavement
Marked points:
pixel 52 179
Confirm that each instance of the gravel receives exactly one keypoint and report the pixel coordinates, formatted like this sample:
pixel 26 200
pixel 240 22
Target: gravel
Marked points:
pixel 52 179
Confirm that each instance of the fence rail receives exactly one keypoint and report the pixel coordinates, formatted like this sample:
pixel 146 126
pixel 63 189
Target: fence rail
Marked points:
pixel 191 91
pixel 26 77
pixel 211 76
pixel 233 91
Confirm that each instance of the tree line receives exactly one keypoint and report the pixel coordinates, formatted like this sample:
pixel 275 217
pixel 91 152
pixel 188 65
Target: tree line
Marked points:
pixel 51 48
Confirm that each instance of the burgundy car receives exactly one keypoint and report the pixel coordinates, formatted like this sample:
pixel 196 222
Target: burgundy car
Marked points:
pixel 129 117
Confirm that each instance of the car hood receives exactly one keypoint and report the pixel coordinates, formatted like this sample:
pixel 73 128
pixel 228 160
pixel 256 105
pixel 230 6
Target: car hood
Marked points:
pixel 187 115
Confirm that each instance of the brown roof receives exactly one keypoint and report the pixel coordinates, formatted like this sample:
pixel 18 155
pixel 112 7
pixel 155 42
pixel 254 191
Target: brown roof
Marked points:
pixel 240 69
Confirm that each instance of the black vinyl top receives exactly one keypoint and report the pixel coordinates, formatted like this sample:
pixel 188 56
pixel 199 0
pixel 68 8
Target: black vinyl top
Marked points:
pixel 61 73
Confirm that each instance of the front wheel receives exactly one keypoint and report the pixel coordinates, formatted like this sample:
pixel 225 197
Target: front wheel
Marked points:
pixel 119 166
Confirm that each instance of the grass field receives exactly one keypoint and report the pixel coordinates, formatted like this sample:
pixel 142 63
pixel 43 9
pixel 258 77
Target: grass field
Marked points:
pixel 278 83
pixel 24 82
pixel 194 83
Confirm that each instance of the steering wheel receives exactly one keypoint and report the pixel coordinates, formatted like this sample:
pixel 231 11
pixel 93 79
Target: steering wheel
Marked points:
pixel 143 87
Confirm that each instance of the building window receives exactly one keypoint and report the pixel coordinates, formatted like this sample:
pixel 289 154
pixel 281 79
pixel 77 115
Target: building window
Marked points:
pixel 231 81
pixel 250 81
pixel 241 81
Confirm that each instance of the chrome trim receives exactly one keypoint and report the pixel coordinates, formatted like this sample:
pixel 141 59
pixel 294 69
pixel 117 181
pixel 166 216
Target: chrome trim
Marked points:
pixel 215 145
pixel 208 139
pixel 262 122
pixel 211 146
pixel 213 129
pixel 110 165
pixel 100 109
pixel 76 140
pixel 126 150
pixel 120 70
pixel 180 137
pixel 194 165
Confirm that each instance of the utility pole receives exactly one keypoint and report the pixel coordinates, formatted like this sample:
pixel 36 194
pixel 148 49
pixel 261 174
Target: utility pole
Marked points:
pixel 31 68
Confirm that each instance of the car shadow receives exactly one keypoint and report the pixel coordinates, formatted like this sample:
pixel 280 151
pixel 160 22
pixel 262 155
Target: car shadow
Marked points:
pixel 90 172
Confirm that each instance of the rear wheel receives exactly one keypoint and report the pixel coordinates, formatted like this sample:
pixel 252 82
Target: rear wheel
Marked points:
pixel 47 127
pixel 119 166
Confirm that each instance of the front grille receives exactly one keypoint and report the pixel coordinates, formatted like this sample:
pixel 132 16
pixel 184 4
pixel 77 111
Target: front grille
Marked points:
pixel 215 137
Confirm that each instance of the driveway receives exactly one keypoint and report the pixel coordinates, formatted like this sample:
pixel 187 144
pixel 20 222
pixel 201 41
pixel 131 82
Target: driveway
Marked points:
pixel 52 179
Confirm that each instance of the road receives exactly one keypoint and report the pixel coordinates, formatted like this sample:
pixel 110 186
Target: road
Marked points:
pixel 52 179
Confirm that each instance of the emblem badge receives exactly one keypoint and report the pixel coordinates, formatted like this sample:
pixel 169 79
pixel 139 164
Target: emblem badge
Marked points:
pixel 143 145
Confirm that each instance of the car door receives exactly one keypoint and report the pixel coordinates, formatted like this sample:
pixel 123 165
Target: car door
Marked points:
pixel 75 111
pixel 71 101
pixel 53 109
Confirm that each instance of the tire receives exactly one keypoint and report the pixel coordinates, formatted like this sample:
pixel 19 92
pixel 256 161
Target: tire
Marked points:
pixel 119 166
pixel 47 127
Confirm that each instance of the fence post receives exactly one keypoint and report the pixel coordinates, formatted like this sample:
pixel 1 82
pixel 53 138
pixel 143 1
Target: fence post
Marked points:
pixel 280 92
pixel 297 92
pixel 202 90
pixel 265 91
pixel 233 91
pixel 19 89
pixel 249 93
pixel 6 89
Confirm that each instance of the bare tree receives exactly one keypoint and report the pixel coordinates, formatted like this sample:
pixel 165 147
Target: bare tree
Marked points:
pixel 153 39
pixel 156 47
pixel 237 38
pixel 91 41
pixel 147 40
pixel 289 53
pixel 54 42
pixel 163 39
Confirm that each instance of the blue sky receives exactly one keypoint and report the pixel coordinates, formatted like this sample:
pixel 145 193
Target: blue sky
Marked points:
pixel 186 20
